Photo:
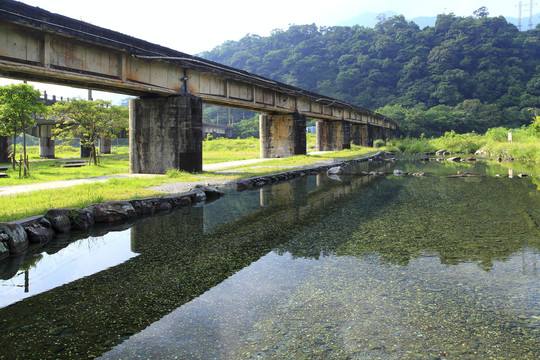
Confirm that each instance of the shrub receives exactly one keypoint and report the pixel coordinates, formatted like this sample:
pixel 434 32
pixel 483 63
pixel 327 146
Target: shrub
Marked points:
pixel 378 143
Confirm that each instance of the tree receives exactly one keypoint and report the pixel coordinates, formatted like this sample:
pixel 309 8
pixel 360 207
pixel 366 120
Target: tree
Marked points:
pixel 88 121
pixel 19 104
pixel 481 12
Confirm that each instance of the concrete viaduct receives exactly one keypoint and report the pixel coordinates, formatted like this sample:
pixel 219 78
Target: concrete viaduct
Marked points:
pixel 165 125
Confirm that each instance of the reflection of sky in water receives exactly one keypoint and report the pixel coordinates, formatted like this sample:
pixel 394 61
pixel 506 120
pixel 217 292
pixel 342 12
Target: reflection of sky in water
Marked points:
pixel 278 300
pixel 79 259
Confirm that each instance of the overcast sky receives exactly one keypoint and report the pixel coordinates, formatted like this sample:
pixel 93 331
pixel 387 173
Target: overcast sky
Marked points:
pixel 196 26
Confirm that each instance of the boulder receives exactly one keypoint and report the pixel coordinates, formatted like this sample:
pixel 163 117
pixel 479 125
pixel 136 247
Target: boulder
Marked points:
pixel 180 200
pixel 455 158
pixel 17 240
pixel 59 220
pixel 143 206
pixel 440 152
pixel 471 158
pixel 111 211
pixel 198 195
pixel 210 191
pixel 44 222
pixel 39 234
pixel 4 249
pixel 81 219
pixel 398 172
pixel 336 170
pixel 162 204
pixel 481 151
pixel 466 174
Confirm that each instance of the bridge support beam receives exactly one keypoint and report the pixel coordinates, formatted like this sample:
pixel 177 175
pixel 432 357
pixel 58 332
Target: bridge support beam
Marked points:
pixel 333 135
pixel 282 135
pixel 165 133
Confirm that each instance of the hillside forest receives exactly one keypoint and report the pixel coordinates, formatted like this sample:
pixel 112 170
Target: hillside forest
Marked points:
pixel 464 74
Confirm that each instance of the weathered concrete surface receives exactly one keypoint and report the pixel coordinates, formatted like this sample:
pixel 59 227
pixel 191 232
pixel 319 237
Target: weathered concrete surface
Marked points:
pixel 46 147
pixel 165 133
pixel 333 135
pixel 104 145
pixel 282 135
pixel 359 134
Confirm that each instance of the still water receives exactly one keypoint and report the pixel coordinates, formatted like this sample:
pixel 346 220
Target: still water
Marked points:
pixel 355 267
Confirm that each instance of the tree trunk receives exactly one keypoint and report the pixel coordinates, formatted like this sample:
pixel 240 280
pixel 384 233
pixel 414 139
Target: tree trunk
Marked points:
pixel 94 152
pixel 26 168
pixel 14 152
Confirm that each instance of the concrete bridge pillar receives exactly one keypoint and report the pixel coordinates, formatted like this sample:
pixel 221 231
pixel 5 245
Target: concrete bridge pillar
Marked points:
pixel 369 137
pixel 5 149
pixel 282 135
pixel 357 134
pixel 333 135
pixel 165 133
pixel 104 145
pixel 46 143
pixel 46 147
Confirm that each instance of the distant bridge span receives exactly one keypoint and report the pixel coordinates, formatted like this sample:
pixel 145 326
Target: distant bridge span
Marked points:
pixel 166 121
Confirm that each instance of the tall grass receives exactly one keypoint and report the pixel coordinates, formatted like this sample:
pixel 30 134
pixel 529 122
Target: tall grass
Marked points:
pixel 525 144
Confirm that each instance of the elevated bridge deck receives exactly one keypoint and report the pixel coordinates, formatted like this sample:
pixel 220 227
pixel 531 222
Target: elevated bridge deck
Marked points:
pixel 37 45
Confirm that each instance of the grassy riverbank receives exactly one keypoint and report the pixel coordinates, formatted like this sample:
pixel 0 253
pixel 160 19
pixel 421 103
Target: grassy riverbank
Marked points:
pixel 27 204
pixel 525 145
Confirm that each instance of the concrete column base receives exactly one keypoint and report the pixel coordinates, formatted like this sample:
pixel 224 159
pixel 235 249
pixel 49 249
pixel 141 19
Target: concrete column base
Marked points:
pixel 46 147
pixel 359 134
pixel 282 135
pixel 104 146
pixel 165 133
pixel 5 149
pixel 333 135
pixel 85 151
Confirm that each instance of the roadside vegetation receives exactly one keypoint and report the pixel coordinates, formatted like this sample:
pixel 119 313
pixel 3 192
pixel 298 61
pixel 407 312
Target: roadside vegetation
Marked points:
pixel 525 144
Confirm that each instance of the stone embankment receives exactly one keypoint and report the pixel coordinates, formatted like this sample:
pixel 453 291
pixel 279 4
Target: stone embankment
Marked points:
pixel 17 236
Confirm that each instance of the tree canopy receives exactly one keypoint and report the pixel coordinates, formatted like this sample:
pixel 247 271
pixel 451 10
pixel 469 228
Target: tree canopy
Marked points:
pixel 19 104
pixel 477 65
pixel 88 121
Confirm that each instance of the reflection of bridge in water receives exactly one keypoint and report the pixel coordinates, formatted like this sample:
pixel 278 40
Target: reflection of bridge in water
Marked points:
pixel 189 250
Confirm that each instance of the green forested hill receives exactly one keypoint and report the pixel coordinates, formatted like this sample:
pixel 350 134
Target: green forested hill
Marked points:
pixel 464 73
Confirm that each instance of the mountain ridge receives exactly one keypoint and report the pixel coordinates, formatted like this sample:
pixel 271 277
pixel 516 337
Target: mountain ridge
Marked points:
pixel 370 19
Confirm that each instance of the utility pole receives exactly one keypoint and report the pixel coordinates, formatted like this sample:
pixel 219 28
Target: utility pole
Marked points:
pixel 519 16
pixel 520 8
pixel 531 14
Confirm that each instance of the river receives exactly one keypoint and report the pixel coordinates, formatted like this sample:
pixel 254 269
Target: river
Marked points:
pixel 348 267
